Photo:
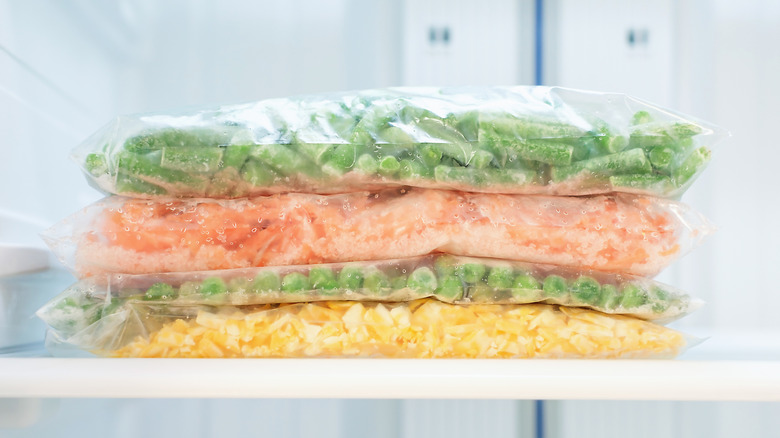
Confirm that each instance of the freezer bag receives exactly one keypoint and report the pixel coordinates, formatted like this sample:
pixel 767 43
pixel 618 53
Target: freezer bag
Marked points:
pixel 416 329
pixel 530 140
pixel 451 279
pixel 619 233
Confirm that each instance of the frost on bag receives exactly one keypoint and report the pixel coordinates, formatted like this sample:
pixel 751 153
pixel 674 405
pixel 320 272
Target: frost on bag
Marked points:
pixel 617 233
pixel 416 329
pixel 450 279
pixel 531 140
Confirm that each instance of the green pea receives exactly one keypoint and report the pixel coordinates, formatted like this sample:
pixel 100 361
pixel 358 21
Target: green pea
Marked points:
pixel 610 297
pixel 266 281
pixel 446 265
pixel 633 296
pixel 500 277
pixel 422 280
pixel 526 288
pixel 213 286
pixel 160 291
pixel 586 290
pixel 450 288
pixel 295 282
pixel 322 278
pixel 376 282
pixel 351 277
pixel 238 285
pixel 473 272
pixel 554 286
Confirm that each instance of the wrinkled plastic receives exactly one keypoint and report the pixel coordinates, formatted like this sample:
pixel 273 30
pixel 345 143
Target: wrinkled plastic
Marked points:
pixel 529 140
pixel 417 329
pixel 617 233
pixel 450 279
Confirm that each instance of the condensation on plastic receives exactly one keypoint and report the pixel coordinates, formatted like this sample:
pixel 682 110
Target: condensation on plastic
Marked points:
pixel 527 140
pixel 416 329
pixel 616 233
pixel 458 280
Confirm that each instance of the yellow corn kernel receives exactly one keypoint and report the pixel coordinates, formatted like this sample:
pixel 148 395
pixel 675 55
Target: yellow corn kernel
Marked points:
pixel 422 328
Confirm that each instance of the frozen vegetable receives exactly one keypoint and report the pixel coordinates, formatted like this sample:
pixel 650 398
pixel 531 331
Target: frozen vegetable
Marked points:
pixel 536 140
pixel 618 233
pixel 450 279
pixel 417 329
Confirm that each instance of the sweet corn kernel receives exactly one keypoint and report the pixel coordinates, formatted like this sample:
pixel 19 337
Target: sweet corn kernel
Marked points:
pixel 424 328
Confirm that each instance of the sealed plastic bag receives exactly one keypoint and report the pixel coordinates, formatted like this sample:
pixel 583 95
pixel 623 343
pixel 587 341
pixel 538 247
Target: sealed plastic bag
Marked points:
pixel 417 329
pixel 529 140
pixel 460 280
pixel 618 233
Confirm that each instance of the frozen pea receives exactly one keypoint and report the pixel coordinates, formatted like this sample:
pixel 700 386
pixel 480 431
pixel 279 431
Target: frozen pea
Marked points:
pixel 351 277
pixel 526 281
pixel 322 278
pixel 266 281
pixel 446 265
pixel 160 291
pixel 554 286
pixel 526 288
pixel 295 282
pixel 610 297
pixel 239 285
pixel 376 282
pixel 450 288
pixel 422 280
pixel 500 277
pixel 213 286
pixel 586 290
pixel 473 272
pixel 189 288
pixel 661 299
pixel 398 282
pixel 633 296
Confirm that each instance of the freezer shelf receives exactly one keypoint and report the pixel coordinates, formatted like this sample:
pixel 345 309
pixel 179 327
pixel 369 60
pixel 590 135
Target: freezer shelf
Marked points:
pixel 391 378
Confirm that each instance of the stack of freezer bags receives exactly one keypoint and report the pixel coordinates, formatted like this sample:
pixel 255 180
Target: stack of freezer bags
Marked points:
pixel 521 222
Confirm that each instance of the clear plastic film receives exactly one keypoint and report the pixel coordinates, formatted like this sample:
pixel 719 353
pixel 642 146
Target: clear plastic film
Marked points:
pixel 417 329
pixel 450 279
pixel 520 140
pixel 617 233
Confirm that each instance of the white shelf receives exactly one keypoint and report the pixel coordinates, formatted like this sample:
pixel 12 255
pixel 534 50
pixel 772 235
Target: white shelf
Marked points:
pixel 381 378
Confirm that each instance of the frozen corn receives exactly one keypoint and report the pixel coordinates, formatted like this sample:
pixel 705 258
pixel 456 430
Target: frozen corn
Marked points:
pixel 417 329
pixel 530 140
pixel 617 233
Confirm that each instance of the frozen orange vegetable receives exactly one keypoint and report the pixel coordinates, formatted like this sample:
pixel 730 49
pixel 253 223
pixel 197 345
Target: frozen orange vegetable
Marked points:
pixel 419 329
pixel 617 233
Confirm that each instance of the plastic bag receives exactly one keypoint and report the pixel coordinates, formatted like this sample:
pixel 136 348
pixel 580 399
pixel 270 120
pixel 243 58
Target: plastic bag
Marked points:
pixel 529 140
pixel 618 233
pixel 459 280
pixel 416 329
